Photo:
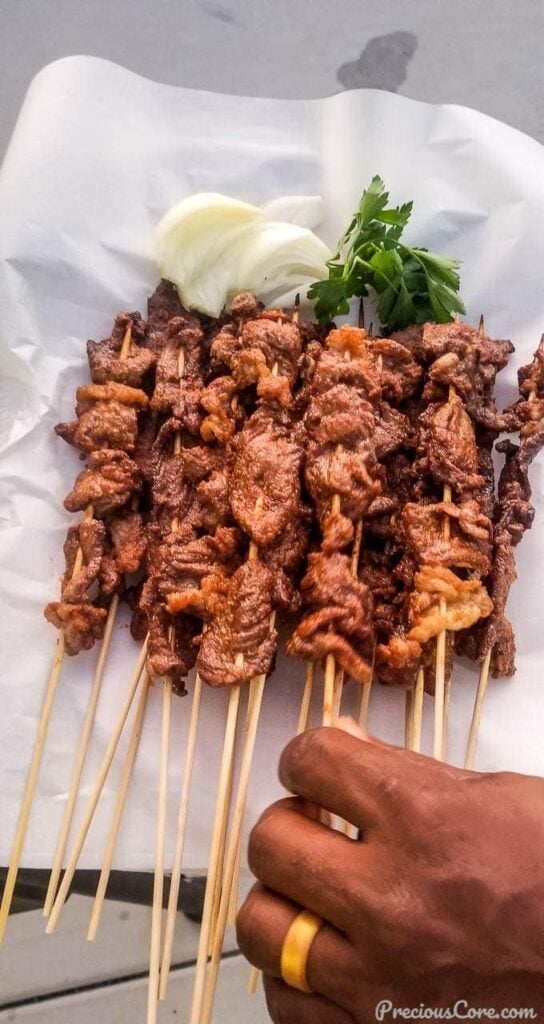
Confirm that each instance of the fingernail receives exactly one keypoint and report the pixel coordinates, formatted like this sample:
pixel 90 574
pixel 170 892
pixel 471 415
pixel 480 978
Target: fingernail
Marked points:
pixel 349 725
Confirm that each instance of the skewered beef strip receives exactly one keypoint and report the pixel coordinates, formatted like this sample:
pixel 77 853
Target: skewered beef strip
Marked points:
pixel 107 417
pixel 174 394
pixel 81 624
pixel 447 446
pixel 163 307
pixel 187 563
pixel 265 475
pixel 400 374
pixel 128 538
pixel 90 535
pixel 257 336
pixel 105 364
pixel 469 544
pixel 104 425
pixel 466 602
pixel 340 622
pixel 513 515
pixel 238 611
pixel 340 456
pixel 171 645
pixel 108 483
pixel 224 413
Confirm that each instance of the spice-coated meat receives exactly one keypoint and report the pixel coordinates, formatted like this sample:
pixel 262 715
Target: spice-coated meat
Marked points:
pixel 333 368
pixel 109 482
pixel 81 624
pixel 224 412
pixel 104 356
pixel 392 430
pixel 467 360
pixel 171 650
pixel 260 350
pixel 447 446
pixel 184 564
pixel 340 456
pixel 162 307
pixel 238 611
pixel 90 536
pixel 128 539
pixel 110 392
pixel 469 543
pixel 179 375
pixel 466 602
pixel 213 500
pixel 514 515
pixel 398 661
pixel 399 373
pixel 514 511
pixel 279 343
pixel 245 306
pixel 103 425
pixel 340 620
pixel 265 480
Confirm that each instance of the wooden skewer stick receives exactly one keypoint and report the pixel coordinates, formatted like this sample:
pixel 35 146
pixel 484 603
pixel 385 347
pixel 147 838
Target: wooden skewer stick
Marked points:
pixel 158 882
pixel 235 888
pixel 409 719
pixel 306 704
pixel 419 693
pixel 80 758
pixel 30 787
pixel 257 686
pixel 118 811
pixel 35 764
pixel 83 746
pixel 205 927
pixel 340 674
pixel 95 795
pixel 180 839
pixel 477 712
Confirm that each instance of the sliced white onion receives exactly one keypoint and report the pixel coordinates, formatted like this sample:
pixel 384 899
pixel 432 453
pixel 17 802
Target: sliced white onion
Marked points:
pixel 306 211
pixel 280 256
pixel 211 246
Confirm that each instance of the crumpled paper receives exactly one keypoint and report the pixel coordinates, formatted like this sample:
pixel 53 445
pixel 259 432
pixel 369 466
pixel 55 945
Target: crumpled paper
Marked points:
pixel 97 156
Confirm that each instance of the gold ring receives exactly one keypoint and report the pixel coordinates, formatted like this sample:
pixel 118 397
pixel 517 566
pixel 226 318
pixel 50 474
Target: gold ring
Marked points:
pixel 296 949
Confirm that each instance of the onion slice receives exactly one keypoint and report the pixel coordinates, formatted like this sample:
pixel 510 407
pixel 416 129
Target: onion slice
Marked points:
pixel 212 246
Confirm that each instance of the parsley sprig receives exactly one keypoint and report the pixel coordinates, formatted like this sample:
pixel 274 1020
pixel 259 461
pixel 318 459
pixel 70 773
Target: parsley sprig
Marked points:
pixel 412 286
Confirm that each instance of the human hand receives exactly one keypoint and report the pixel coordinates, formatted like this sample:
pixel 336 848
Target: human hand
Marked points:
pixel 440 900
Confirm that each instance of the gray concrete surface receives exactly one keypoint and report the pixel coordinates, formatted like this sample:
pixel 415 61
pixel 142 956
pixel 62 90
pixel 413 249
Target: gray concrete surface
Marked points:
pixel 483 53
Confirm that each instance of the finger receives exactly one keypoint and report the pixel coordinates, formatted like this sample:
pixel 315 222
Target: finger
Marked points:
pixel 262 924
pixel 287 1006
pixel 361 781
pixel 307 862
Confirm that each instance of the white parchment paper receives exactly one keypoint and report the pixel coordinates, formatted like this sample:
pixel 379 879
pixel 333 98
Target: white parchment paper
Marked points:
pixel 97 157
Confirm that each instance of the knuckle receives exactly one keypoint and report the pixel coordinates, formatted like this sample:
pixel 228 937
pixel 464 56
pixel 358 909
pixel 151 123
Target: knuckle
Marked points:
pixel 248 923
pixel 261 840
pixel 302 754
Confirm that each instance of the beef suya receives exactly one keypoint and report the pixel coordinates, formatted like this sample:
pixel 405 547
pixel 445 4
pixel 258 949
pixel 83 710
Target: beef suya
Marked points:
pixel 342 477
pixel 453 423
pixel 287 433
pixel 111 542
pixel 513 514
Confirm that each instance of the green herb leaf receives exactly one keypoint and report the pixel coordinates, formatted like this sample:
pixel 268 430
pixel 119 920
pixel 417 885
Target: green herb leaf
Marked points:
pixel 411 285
